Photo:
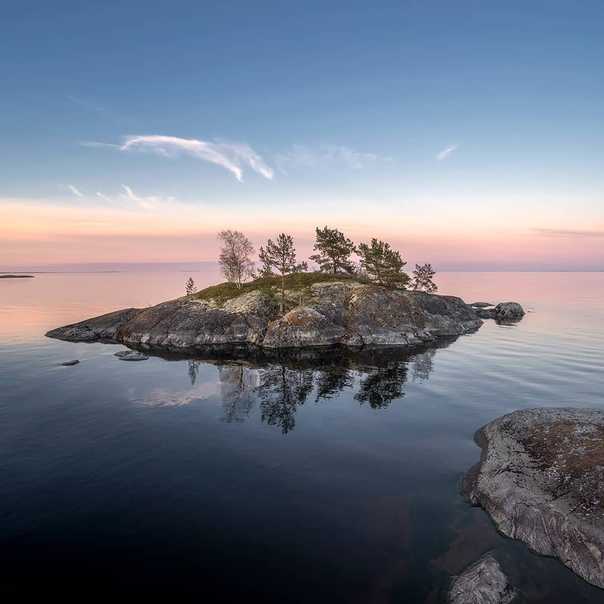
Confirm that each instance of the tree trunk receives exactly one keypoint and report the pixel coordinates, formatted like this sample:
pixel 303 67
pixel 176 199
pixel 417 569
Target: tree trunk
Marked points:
pixel 282 293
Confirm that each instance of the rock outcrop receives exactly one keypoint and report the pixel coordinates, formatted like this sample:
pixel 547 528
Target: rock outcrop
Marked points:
pixel 103 328
pixel 541 479
pixel 482 583
pixel 504 312
pixel 339 313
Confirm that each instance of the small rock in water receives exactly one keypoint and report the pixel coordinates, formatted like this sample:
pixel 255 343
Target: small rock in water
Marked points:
pixel 131 355
pixel 70 363
pixel 505 312
pixel 509 311
pixel 482 583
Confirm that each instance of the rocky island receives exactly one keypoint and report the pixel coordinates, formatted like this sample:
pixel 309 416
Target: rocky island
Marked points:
pixel 320 311
pixel 541 479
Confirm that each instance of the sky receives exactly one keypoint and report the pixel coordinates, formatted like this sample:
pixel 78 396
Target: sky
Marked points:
pixel 468 134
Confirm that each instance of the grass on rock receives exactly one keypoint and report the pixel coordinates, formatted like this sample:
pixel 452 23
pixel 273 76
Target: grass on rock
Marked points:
pixel 294 282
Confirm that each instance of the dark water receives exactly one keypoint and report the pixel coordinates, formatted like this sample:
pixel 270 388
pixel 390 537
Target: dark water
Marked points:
pixel 313 480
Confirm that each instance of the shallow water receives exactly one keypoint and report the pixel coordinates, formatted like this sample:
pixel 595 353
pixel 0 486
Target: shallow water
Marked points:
pixel 332 480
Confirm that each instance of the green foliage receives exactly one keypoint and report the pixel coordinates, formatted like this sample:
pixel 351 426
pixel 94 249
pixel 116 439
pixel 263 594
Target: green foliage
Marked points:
pixel 280 256
pixel 423 278
pixel 190 287
pixel 333 251
pixel 296 282
pixel 382 264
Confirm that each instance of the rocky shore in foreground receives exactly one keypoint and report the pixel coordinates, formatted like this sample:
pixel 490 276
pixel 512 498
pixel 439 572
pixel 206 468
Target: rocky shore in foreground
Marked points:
pixel 541 479
pixel 342 313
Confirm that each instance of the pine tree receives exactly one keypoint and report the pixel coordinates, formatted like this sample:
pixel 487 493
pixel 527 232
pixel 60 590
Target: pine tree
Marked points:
pixel 382 264
pixel 190 287
pixel 280 256
pixel 423 278
pixel 334 251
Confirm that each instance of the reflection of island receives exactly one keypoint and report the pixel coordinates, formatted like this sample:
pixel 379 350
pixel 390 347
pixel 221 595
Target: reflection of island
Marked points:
pixel 374 377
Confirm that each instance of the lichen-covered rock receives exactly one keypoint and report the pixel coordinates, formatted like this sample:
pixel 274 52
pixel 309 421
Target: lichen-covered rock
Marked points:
pixel 256 302
pixel 103 328
pixel 183 324
pixel 303 326
pixel 541 479
pixel 482 583
pixel 344 313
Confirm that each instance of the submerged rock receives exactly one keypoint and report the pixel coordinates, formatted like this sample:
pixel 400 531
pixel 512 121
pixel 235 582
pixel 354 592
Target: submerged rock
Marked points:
pixel 338 313
pixel 481 304
pixel 541 479
pixel 131 355
pixel 70 363
pixel 482 583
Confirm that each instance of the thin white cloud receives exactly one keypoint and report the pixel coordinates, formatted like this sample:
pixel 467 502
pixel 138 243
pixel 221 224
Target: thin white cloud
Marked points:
pixel 147 203
pixel 234 157
pixel 570 232
pixel 150 202
pixel 446 152
pixel 302 156
pixel 99 145
pixel 75 191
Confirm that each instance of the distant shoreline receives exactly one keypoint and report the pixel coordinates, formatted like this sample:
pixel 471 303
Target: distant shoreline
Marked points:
pixel 16 276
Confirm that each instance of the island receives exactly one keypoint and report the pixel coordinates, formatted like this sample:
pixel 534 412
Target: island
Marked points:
pixel 298 311
pixel 16 276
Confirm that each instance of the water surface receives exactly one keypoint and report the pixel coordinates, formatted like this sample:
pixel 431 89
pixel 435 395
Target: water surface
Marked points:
pixel 314 480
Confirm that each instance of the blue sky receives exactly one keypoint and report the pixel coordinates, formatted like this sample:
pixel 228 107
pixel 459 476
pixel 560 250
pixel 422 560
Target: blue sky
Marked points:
pixel 464 114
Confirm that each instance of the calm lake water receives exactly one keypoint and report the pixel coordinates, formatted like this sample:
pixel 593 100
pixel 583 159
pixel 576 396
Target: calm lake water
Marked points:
pixel 333 480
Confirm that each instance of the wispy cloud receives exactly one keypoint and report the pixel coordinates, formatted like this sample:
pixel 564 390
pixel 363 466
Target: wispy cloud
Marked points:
pixel 147 203
pixel 99 145
pixel 570 232
pixel 302 156
pixel 104 197
pixel 75 191
pixel 127 194
pixel 234 157
pixel 446 152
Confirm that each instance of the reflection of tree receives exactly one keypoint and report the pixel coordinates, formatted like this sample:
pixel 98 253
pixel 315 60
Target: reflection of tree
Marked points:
pixel 332 380
pixel 281 390
pixel 237 385
pixel 422 366
pixel 193 371
pixel 383 384
pixel 285 383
